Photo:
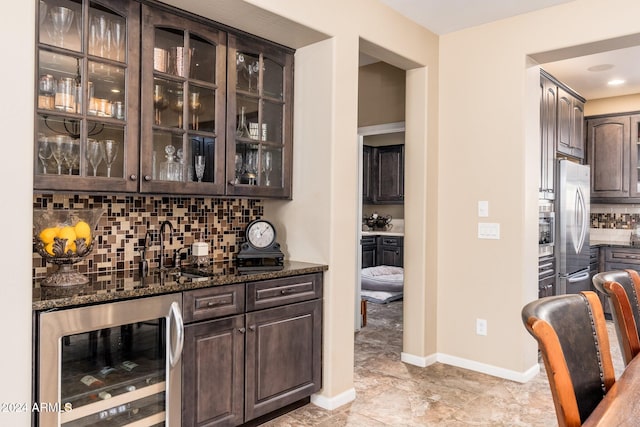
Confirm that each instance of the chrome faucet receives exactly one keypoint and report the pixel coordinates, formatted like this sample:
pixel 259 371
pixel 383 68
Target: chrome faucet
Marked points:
pixel 162 230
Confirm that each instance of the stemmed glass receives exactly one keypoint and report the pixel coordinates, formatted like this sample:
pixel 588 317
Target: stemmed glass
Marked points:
pixel 199 165
pixel 70 155
pixel 94 154
pixel 177 105
pixel 159 102
pixel 194 108
pixel 267 166
pixel 61 18
pixel 44 151
pixel 117 37
pixel 57 150
pixel 99 36
pixel 109 149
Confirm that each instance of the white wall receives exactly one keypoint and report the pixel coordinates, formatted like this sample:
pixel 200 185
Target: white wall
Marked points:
pixel 16 118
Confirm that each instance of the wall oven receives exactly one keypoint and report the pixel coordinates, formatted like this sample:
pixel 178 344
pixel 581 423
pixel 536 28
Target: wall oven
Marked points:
pixel 111 364
pixel 546 229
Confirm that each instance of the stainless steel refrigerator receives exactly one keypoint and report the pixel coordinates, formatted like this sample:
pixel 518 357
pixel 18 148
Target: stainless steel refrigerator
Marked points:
pixel 573 223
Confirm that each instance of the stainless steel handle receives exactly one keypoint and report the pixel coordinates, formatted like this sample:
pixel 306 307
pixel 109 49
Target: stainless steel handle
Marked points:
pixel 582 276
pixel 581 219
pixel 176 317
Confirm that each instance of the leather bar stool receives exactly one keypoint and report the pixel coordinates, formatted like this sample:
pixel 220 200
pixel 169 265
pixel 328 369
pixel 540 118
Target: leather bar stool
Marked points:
pixel 572 336
pixel 622 288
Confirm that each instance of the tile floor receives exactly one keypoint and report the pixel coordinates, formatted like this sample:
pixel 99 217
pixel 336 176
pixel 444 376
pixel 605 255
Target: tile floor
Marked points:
pixel 392 393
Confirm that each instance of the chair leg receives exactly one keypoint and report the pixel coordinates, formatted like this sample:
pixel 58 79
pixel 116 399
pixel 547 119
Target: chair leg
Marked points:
pixel 363 311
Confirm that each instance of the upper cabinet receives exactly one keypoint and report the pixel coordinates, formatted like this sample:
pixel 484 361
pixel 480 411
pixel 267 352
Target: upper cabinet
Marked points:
pixel 260 118
pixel 150 99
pixel 86 118
pixel 183 105
pixel 570 124
pixel 548 134
pixel 383 174
pixel 613 143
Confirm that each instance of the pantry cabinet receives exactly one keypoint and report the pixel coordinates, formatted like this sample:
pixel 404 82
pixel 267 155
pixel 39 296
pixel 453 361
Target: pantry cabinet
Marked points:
pixel 175 104
pixel 383 174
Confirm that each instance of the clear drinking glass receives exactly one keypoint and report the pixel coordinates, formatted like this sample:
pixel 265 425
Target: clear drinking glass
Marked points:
pixel 117 38
pixel 57 150
pixel 159 102
pixel 194 108
pixel 70 155
pixel 44 151
pixel 267 166
pixel 61 18
pixel 99 36
pixel 109 149
pixel 94 154
pixel 199 162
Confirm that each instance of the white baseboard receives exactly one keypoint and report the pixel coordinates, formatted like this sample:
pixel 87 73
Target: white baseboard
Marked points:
pixel 420 361
pixel 521 377
pixel 331 403
pixel 424 361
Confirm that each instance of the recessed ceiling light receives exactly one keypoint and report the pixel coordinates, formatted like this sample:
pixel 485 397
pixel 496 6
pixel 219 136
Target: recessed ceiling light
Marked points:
pixel 615 82
pixel 601 67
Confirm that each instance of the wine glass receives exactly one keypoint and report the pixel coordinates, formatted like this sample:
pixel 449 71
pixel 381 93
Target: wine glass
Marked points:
pixel 43 11
pixel 159 102
pixel 99 35
pixel 61 18
pixel 109 149
pixel 57 150
pixel 267 166
pixel 194 108
pixel 177 105
pixel 44 151
pixel 70 155
pixel 117 37
pixel 199 165
pixel 94 154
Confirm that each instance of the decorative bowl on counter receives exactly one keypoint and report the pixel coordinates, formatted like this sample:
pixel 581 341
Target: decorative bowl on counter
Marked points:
pixel 376 221
pixel 64 237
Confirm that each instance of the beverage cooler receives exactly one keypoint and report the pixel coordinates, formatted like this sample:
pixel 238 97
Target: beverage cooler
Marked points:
pixel 111 364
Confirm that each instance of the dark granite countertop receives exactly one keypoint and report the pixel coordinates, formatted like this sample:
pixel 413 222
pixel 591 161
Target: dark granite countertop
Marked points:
pixel 612 244
pixel 122 285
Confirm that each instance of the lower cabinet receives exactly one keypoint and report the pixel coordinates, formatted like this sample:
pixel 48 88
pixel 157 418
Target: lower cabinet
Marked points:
pixel 246 357
pixel 546 277
pixel 369 251
pixel 382 250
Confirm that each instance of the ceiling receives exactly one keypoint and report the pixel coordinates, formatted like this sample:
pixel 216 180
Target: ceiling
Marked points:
pixel 587 74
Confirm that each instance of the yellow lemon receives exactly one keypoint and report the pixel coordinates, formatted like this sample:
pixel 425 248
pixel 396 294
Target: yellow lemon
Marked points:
pixel 49 248
pixel 71 246
pixel 68 233
pixel 48 234
pixel 83 231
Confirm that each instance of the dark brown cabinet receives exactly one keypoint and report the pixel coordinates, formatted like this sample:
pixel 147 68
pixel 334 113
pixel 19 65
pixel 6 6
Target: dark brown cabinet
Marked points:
pixel 570 124
pixel 548 134
pixel 613 157
pixel 382 250
pixel 176 104
pixel 369 251
pixel 383 172
pixel 546 276
pixel 183 105
pixel 86 115
pixel 390 251
pixel 259 121
pixel 251 349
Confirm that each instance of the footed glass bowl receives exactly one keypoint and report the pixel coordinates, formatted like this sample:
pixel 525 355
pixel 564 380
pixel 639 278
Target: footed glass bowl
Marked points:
pixel 64 237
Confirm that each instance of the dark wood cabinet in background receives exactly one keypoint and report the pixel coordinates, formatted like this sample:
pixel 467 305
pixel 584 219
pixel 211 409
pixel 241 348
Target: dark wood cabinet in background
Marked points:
pixel 548 134
pixel 546 276
pixel 383 173
pixel 250 349
pixel 382 250
pixel 570 123
pixel 613 143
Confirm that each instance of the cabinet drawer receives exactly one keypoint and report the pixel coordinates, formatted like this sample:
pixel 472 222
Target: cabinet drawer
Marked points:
pixel 368 240
pixel 390 241
pixel 627 256
pixel 275 292
pixel 209 303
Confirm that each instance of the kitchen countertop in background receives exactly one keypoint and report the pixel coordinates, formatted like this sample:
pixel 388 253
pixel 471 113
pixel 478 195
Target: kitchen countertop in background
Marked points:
pixel 121 285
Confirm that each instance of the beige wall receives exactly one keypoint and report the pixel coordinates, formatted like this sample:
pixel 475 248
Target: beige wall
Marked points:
pixel 488 143
pixel 381 99
pixel 618 104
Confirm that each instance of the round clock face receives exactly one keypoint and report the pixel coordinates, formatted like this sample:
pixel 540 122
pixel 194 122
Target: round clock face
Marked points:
pixel 261 234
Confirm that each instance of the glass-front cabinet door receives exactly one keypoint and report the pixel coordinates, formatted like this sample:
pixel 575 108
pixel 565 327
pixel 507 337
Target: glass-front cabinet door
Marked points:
pixel 259 122
pixel 183 100
pixel 86 121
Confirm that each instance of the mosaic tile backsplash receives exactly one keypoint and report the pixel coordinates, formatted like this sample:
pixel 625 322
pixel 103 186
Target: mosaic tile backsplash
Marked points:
pixel 122 229
pixel 625 221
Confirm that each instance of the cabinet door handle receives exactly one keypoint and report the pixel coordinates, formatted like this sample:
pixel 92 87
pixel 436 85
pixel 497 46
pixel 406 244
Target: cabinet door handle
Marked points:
pixel 242 330
pixel 232 182
pixel 133 177
pixel 252 327
pixel 147 178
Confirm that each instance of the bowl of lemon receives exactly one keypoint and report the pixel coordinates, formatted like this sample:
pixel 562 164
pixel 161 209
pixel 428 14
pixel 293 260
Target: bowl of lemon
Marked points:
pixel 64 237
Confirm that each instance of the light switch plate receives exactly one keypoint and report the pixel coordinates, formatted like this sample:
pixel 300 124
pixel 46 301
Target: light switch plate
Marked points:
pixel 483 208
pixel 488 230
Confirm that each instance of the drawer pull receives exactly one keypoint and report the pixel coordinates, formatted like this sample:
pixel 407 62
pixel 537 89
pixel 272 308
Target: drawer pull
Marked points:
pixel 287 291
